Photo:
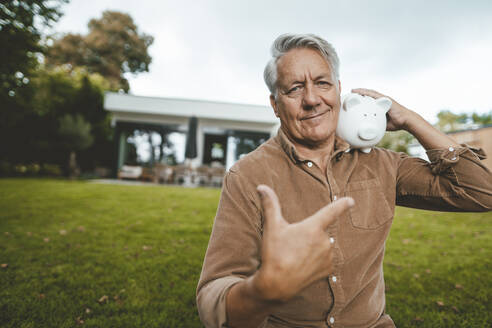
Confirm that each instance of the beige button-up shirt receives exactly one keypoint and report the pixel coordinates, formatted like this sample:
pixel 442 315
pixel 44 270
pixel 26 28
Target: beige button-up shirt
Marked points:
pixel 353 294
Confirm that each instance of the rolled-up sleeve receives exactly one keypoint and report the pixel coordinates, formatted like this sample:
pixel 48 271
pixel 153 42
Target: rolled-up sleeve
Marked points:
pixel 233 251
pixel 211 301
pixel 454 180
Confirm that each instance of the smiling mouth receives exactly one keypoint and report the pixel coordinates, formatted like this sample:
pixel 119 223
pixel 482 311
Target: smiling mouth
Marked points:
pixel 316 115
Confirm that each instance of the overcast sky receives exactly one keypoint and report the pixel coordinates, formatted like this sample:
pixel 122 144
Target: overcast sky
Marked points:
pixel 428 55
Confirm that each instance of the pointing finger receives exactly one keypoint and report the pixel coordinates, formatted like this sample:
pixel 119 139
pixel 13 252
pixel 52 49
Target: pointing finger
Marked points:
pixel 270 204
pixel 328 214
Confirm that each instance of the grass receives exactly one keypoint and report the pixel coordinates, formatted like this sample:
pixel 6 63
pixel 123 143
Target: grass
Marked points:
pixel 130 256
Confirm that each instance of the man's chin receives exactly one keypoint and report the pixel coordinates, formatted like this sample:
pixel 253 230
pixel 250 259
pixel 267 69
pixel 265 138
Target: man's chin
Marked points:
pixel 318 139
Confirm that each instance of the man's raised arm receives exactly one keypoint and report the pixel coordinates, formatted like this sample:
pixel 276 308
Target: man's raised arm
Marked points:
pixel 455 180
pixel 401 118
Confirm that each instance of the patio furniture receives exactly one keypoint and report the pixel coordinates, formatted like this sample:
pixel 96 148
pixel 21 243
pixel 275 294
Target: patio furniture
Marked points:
pixel 202 175
pixel 130 172
pixel 147 174
pixel 217 175
pixel 163 173
pixel 182 174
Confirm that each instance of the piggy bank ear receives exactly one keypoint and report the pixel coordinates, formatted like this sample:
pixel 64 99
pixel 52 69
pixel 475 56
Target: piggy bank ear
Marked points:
pixel 351 100
pixel 384 103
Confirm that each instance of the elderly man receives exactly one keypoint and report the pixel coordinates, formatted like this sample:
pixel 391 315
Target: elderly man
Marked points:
pixel 299 235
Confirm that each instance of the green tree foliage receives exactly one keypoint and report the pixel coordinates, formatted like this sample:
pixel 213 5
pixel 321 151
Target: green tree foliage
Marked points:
pixel 449 121
pixel 37 95
pixel 34 134
pixel 75 132
pixel 482 119
pixel 79 94
pixel 112 48
pixel 398 141
pixel 21 24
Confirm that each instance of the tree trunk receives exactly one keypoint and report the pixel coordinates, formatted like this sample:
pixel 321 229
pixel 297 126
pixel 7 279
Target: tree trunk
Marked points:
pixel 73 168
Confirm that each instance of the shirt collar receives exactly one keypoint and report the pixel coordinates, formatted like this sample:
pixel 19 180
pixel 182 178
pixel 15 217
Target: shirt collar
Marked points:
pixel 341 147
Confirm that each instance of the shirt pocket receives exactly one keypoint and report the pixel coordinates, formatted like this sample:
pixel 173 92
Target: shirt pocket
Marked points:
pixel 371 209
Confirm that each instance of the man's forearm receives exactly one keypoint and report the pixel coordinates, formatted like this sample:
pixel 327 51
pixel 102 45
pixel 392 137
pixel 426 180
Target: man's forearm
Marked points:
pixel 245 305
pixel 428 136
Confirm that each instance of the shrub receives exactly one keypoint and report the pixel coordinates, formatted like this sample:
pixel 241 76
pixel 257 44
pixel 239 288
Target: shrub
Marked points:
pixel 33 169
pixel 5 169
pixel 51 170
pixel 20 169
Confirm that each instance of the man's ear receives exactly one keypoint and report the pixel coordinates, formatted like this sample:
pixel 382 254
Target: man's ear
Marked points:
pixel 273 102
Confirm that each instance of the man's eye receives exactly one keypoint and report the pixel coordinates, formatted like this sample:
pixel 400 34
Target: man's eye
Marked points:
pixel 324 83
pixel 294 89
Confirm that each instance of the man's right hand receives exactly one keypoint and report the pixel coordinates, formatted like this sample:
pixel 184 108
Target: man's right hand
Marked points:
pixel 293 256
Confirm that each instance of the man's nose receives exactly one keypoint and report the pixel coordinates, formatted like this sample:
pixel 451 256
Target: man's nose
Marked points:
pixel 311 98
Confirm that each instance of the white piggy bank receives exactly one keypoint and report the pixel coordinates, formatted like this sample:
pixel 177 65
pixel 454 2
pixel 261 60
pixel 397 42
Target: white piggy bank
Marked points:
pixel 362 120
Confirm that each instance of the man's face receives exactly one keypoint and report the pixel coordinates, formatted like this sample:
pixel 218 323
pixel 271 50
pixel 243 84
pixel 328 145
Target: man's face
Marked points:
pixel 308 99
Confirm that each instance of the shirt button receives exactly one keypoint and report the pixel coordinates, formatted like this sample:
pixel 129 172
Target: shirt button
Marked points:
pixel 332 320
pixel 309 164
pixel 451 149
pixel 332 240
pixel 334 279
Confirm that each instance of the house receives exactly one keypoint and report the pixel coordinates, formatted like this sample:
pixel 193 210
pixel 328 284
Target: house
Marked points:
pixel 480 137
pixel 221 132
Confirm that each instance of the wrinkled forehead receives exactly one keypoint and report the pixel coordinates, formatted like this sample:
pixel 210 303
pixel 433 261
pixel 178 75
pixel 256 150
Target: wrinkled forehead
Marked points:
pixel 298 62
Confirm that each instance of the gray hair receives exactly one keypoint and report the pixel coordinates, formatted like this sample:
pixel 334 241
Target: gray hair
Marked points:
pixel 287 42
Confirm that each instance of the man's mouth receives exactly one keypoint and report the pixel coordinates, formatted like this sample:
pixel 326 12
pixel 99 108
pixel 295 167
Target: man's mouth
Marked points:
pixel 315 115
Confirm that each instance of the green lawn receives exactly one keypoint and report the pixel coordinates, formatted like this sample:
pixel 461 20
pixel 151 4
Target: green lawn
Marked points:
pixel 130 256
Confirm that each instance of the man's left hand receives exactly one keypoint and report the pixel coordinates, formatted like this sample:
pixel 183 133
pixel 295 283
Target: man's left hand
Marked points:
pixel 402 118
pixel 397 116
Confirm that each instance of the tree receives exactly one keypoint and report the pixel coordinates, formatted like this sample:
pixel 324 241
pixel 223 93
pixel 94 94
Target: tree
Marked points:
pixel 37 96
pixel 482 119
pixel 74 92
pixel 449 121
pixel 112 48
pixel 75 133
pixel 398 141
pixel 21 23
pixel 21 26
pixel 32 134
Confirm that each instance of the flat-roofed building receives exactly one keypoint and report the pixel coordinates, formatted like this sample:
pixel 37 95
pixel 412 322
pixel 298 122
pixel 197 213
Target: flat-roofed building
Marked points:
pixel 480 137
pixel 224 131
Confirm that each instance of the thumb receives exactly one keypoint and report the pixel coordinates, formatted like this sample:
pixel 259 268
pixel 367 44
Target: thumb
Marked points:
pixel 328 214
pixel 270 204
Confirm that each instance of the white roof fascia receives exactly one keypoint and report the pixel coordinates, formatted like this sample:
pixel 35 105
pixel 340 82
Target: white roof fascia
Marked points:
pixel 116 102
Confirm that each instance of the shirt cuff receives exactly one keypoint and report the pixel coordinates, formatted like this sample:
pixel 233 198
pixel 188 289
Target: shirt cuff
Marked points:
pixel 211 301
pixel 442 159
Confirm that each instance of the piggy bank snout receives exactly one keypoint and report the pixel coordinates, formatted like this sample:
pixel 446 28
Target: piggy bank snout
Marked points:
pixel 367 133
